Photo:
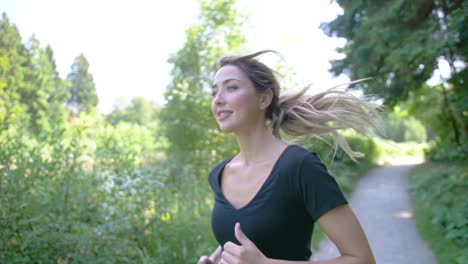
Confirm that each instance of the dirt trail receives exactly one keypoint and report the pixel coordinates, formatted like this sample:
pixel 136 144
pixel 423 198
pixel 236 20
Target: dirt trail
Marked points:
pixel 381 203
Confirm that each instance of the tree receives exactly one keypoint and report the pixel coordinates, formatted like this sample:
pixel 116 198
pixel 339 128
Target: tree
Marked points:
pixel 30 86
pixel 139 111
pixel 58 94
pixel 13 55
pixel 186 119
pixel 82 87
pixel 400 44
pixel 44 91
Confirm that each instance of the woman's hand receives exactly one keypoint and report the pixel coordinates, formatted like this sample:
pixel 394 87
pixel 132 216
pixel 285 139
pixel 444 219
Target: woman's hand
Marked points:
pixel 205 260
pixel 213 259
pixel 247 252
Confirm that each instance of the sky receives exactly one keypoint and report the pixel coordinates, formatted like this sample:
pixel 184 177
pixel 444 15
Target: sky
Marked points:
pixel 128 42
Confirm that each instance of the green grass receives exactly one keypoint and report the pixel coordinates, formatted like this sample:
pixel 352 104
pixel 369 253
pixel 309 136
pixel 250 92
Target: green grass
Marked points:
pixel 438 193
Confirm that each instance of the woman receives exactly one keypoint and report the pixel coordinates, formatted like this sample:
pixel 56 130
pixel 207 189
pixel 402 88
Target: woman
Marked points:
pixel 268 196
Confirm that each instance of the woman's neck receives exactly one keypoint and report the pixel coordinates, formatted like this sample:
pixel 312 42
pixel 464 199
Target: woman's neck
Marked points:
pixel 257 145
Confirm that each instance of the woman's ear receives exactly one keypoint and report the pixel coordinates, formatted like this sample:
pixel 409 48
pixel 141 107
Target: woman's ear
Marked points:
pixel 265 99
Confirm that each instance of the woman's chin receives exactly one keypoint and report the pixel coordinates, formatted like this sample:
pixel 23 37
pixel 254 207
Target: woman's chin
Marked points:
pixel 226 128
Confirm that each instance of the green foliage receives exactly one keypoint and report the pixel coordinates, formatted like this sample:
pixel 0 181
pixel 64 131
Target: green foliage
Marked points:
pixel 45 93
pixel 30 86
pixel 59 199
pixel 425 105
pixel 139 111
pixel 400 128
pixel 400 44
pixel 12 55
pixel 94 192
pixel 82 88
pixel 438 190
pixel 444 150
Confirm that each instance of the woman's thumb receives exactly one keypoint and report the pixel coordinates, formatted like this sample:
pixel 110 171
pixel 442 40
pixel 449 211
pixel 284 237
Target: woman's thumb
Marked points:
pixel 241 237
pixel 205 260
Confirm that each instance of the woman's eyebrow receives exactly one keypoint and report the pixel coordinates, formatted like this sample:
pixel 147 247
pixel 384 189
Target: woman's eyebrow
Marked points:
pixel 224 82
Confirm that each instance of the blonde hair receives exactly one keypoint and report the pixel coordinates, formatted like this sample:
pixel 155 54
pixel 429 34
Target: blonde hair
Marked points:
pixel 300 114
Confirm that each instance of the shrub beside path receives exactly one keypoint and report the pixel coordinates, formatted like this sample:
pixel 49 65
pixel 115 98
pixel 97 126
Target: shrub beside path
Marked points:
pixel 382 204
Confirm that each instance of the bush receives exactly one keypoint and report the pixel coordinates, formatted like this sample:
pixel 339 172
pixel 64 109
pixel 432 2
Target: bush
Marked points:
pixel 445 150
pixel 400 128
pixel 80 194
pixel 438 190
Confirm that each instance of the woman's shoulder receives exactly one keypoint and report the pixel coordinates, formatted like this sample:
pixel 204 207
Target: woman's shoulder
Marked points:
pixel 296 154
pixel 221 164
pixel 297 157
pixel 299 150
pixel 216 170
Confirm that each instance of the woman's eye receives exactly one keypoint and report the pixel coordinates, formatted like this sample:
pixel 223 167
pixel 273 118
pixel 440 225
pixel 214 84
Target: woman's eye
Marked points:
pixel 232 87
pixel 213 93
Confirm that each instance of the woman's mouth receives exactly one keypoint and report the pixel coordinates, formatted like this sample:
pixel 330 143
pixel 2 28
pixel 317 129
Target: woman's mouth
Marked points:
pixel 223 115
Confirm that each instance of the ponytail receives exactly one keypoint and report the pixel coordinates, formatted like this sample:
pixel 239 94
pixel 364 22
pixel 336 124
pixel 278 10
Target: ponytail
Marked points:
pixel 300 114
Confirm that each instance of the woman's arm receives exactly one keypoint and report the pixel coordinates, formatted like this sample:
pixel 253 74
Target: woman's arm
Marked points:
pixel 345 231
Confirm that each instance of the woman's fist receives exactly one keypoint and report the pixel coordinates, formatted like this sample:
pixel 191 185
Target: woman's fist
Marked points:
pixel 247 252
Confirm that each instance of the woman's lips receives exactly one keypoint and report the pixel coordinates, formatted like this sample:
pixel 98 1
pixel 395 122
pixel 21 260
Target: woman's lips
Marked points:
pixel 224 114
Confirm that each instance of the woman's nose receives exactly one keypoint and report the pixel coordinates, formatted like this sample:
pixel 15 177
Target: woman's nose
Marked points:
pixel 218 99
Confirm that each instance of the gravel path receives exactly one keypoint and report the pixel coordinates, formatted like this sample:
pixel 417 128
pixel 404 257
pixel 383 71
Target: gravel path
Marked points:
pixel 382 205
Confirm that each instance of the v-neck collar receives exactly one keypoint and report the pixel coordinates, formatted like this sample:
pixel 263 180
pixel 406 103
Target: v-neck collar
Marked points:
pixel 260 190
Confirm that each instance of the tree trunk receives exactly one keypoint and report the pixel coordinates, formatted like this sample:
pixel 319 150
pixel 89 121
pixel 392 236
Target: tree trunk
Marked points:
pixel 451 117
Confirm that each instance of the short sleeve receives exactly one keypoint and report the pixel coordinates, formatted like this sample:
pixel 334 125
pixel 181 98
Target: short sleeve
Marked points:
pixel 212 178
pixel 318 189
pixel 214 173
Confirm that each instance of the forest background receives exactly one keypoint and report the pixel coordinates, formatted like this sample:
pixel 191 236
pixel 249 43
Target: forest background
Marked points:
pixel 78 185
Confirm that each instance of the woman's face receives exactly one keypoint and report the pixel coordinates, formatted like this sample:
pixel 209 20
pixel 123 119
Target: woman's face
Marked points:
pixel 236 104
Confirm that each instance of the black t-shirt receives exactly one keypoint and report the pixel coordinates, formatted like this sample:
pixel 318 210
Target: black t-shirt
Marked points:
pixel 280 218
